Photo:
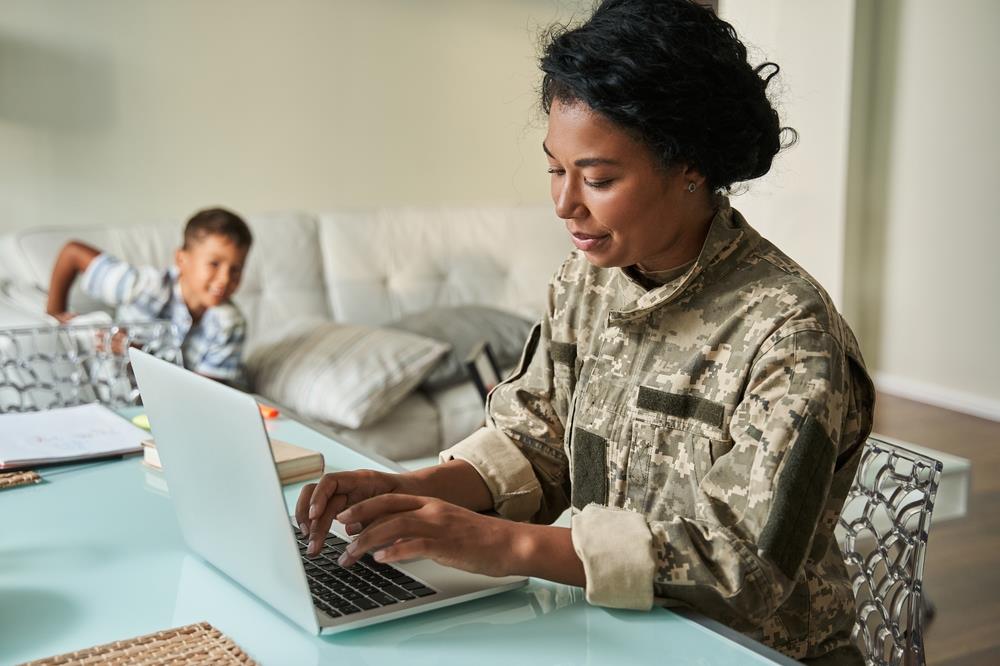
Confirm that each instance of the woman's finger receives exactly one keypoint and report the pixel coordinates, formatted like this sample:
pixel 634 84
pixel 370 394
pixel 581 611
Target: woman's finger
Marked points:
pixel 387 531
pixel 409 549
pixel 320 527
pixel 302 508
pixel 367 511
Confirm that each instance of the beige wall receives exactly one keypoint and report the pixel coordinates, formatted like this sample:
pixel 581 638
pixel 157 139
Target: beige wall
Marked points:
pixel 800 204
pixel 115 110
pixel 928 233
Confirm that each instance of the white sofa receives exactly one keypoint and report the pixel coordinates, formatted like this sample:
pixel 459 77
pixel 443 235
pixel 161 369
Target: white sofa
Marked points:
pixel 365 267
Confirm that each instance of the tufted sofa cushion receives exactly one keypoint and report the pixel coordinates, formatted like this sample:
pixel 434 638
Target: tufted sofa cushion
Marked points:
pixel 382 264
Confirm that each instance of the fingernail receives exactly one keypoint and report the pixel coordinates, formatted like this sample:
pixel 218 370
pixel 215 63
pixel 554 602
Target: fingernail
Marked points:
pixel 313 547
pixel 379 555
pixel 344 516
pixel 351 547
pixel 313 512
pixel 303 529
pixel 342 560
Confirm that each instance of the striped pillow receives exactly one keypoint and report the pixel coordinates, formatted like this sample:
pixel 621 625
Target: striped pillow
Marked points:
pixel 345 374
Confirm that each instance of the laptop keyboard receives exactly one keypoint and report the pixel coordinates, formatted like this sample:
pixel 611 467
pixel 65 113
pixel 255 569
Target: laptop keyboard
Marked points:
pixel 368 584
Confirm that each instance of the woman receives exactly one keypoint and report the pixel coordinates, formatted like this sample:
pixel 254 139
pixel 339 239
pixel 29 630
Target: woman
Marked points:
pixel 691 392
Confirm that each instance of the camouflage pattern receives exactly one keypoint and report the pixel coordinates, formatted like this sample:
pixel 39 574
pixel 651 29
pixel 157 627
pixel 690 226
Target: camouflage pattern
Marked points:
pixel 727 406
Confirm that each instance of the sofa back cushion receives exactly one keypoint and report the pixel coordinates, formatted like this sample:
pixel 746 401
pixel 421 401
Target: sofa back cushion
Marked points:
pixel 383 264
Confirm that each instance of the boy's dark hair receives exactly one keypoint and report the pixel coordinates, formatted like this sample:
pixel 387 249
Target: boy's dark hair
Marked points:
pixel 675 76
pixel 217 222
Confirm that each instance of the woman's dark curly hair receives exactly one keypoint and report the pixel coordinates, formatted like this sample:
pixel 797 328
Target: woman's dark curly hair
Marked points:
pixel 675 76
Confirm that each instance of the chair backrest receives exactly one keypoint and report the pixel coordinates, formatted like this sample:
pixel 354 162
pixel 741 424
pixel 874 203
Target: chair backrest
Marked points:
pixel 61 366
pixel 883 533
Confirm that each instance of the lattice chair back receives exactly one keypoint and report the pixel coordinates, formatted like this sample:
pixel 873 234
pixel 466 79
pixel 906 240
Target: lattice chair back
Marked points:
pixel 883 535
pixel 61 366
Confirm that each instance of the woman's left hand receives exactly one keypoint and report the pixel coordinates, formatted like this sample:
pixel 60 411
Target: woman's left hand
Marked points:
pixel 404 527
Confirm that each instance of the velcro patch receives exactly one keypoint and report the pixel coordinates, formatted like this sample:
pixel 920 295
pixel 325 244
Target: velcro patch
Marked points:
pixel 590 475
pixel 799 498
pixel 563 352
pixel 681 405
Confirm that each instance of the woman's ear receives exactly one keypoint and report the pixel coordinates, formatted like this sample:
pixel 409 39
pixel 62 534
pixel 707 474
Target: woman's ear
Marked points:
pixel 691 175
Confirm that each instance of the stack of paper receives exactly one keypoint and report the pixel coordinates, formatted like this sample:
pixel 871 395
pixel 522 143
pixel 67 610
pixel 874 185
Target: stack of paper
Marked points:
pixel 65 434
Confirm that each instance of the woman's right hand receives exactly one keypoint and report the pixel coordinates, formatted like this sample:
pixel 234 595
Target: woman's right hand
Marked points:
pixel 319 503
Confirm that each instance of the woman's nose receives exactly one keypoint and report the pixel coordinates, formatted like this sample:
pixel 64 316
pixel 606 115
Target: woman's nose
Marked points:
pixel 567 200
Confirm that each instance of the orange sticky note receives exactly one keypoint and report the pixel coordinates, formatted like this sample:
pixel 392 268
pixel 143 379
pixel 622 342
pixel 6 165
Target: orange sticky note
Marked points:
pixel 268 412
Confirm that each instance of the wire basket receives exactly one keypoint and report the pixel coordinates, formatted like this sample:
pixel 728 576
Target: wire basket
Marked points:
pixel 61 366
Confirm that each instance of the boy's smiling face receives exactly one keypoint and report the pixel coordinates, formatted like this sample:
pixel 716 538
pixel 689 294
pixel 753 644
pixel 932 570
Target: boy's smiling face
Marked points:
pixel 210 271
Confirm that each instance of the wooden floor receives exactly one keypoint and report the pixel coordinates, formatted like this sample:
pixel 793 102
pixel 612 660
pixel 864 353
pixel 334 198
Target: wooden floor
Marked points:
pixel 962 571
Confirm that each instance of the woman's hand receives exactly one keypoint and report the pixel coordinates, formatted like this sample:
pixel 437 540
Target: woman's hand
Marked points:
pixel 320 502
pixel 397 527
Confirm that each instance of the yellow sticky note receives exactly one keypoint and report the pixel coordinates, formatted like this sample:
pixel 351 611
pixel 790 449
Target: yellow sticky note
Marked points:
pixel 141 420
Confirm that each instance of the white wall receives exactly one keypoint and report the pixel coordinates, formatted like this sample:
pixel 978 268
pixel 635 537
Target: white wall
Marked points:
pixel 115 110
pixel 933 312
pixel 800 204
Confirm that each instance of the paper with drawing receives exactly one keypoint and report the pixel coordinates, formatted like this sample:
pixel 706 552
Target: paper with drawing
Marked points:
pixel 64 434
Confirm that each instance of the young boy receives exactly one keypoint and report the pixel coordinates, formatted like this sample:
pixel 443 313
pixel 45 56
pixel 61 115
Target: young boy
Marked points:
pixel 194 293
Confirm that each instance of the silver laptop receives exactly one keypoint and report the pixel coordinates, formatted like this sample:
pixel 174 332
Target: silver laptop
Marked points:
pixel 231 509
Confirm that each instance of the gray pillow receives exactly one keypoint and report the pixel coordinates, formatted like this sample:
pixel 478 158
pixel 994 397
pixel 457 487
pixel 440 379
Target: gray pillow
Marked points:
pixel 462 327
pixel 346 374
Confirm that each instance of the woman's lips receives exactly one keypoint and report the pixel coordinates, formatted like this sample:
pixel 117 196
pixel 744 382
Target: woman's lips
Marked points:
pixel 587 242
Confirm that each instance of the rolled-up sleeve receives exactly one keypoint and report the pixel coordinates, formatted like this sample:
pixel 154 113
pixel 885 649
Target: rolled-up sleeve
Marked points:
pixel 507 473
pixel 617 576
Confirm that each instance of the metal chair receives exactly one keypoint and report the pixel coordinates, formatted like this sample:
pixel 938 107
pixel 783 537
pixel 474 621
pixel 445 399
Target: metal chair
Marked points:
pixel 62 366
pixel 883 533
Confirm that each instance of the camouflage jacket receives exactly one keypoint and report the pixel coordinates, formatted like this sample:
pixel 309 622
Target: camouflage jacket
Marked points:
pixel 705 432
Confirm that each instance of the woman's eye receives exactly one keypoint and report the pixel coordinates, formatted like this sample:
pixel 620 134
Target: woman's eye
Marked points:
pixel 556 171
pixel 599 184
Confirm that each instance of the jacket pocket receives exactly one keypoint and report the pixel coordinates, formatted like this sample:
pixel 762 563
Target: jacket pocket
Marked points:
pixel 665 468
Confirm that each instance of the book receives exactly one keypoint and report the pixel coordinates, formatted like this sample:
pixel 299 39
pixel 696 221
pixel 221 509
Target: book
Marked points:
pixel 65 434
pixel 293 463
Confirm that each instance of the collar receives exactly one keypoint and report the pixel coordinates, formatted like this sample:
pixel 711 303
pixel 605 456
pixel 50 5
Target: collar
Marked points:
pixel 727 232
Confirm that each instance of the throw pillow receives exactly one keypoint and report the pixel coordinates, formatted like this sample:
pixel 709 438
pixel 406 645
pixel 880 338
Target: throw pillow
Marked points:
pixel 344 374
pixel 462 327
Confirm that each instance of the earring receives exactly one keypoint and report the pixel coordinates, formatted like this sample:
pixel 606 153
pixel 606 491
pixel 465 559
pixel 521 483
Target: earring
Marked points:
pixel 692 186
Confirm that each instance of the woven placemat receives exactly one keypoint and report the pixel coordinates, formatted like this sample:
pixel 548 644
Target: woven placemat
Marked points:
pixel 194 644
pixel 15 479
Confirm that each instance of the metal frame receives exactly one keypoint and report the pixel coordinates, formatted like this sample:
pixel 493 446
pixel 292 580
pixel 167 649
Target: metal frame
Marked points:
pixel 60 366
pixel 883 534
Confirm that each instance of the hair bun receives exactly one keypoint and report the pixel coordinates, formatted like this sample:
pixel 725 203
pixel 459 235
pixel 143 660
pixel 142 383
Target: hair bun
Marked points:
pixel 676 75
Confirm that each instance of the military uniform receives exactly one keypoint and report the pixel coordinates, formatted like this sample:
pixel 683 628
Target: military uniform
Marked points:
pixel 705 432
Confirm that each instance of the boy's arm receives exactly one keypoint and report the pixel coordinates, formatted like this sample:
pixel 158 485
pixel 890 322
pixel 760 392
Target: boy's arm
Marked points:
pixel 73 259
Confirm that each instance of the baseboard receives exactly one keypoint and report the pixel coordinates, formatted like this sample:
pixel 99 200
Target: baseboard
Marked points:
pixel 939 396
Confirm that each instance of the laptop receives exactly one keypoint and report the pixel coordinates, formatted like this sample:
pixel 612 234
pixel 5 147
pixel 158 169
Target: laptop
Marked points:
pixel 231 510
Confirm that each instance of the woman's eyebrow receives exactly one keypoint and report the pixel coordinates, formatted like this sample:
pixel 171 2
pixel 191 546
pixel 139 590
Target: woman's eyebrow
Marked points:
pixel 585 161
